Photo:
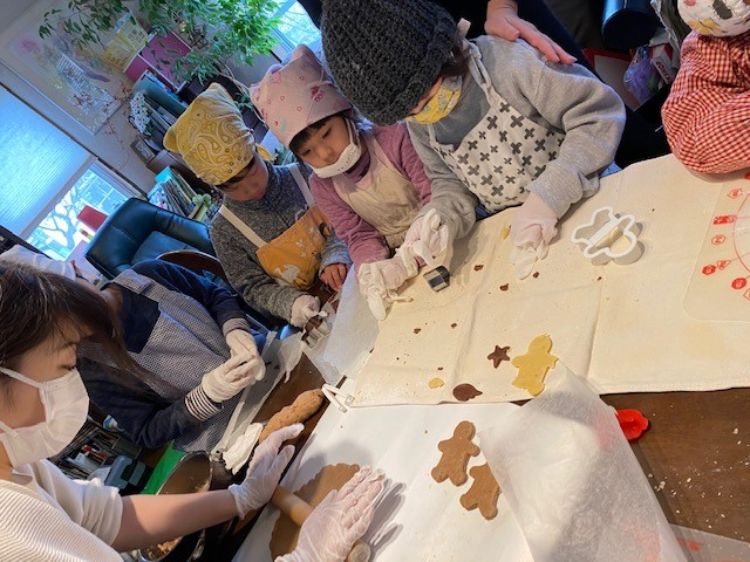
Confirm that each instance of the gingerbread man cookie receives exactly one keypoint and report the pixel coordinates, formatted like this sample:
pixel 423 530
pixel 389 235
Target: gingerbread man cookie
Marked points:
pixel 533 366
pixel 456 452
pixel 483 493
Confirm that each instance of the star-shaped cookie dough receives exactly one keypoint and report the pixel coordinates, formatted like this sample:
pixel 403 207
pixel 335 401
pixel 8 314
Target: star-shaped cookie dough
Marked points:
pixel 499 355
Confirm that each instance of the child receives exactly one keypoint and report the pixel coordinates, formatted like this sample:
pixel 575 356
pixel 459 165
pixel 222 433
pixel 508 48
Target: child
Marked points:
pixel 43 405
pixel 708 108
pixel 269 238
pixel 191 352
pixel 369 183
pixel 493 123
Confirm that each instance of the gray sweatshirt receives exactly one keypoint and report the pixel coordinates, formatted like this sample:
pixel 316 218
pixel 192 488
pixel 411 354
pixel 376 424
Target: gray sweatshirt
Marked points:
pixel 269 217
pixel 564 98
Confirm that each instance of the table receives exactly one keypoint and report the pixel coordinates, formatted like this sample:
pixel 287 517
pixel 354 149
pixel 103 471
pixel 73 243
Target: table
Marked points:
pixel 691 447
pixel 696 453
pixel 697 456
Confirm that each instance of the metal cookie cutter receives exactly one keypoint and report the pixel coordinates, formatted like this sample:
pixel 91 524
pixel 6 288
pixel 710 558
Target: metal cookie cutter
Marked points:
pixel 609 236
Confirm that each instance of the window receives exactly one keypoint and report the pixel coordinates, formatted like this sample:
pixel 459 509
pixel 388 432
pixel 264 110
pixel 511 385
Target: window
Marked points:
pixel 37 164
pixel 48 178
pixel 295 27
pixel 61 230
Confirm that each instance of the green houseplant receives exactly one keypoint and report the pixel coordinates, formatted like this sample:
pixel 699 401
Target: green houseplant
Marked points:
pixel 218 30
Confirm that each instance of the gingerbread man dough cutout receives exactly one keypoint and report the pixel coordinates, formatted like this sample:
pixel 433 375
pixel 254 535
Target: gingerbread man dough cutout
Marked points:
pixel 483 493
pixel 533 366
pixel 456 452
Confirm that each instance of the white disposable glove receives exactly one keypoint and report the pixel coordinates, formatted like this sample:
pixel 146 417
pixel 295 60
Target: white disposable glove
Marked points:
pixel 331 530
pixel 534 223
pixel 390 274
pixel 378 281
pixel 303 308
pixel 231 377
pixel 240 342
pixel 429 237
pixel 264 470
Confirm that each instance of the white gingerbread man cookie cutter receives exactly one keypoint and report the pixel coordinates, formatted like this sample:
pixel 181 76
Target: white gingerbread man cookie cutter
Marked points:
pixel 609 236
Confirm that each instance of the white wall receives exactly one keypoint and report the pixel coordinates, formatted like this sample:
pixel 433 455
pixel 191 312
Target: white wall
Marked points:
pixel 111 144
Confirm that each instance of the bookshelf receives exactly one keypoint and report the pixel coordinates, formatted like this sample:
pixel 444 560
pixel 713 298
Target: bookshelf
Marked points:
pixel 173 193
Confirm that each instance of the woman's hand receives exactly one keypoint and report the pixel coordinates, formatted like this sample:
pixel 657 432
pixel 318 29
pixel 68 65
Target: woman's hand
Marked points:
pixel 265 470
pixel 503 21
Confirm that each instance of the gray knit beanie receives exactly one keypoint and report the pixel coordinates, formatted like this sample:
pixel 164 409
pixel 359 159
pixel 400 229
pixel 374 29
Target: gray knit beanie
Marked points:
pixel 385 55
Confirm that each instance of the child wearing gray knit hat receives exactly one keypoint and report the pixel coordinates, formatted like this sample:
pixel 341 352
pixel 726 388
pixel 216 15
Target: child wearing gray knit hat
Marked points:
pixel 494 123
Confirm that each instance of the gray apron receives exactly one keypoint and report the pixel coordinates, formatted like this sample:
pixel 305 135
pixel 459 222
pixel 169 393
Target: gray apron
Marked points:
pixel 186 343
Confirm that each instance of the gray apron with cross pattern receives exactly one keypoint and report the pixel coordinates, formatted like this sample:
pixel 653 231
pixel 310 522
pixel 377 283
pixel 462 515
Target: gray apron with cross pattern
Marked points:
pixel 186 343
pixel 503 153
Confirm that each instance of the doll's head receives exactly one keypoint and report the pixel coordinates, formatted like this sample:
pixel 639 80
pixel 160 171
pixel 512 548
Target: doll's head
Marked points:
pixel 719 18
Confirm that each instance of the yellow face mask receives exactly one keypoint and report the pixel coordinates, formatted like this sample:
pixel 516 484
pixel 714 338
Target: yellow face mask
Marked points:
pixel 441 104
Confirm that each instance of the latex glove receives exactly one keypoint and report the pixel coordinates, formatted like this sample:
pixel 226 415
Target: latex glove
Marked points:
pixel 429 237
pixel 390 274
pixel 378 281
pixel 239 342
pixel 331 530
pixel 534 224
pixel 334 276
pixel 233 376
pixel 303 308
pixel 264 470
pixel 503 21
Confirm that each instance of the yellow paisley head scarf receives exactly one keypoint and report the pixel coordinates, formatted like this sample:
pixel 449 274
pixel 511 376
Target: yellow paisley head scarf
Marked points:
pixel 211 137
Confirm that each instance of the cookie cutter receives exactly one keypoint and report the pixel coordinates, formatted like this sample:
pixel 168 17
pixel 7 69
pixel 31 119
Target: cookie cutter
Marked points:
pixel 609 236
pixel 337 397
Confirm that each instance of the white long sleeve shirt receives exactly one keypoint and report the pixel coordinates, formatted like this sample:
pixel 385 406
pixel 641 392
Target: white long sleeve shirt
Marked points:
pixel 47 516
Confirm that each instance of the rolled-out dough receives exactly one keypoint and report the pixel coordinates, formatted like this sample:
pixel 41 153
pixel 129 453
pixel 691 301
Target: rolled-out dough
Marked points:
pixel 331 477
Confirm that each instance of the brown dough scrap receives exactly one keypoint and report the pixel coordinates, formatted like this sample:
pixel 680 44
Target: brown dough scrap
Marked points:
pixel 300 410
pixel 465 392
pixel 483 493
pixel 331 477
pixel 533 366
pixel 456 452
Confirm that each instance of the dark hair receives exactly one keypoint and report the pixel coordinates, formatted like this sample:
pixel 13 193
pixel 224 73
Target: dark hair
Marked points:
pixel 35 305
pixel 458 61
pixel 361 124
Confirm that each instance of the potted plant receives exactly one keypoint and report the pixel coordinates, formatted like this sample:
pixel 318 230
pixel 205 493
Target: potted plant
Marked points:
pixel 217 30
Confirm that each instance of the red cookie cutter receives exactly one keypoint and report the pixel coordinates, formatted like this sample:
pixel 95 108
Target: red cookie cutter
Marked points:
pixel 632 422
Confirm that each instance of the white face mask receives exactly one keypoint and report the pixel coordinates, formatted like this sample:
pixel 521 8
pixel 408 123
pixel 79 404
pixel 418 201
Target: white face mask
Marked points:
pixel 66 405
pixel 347 159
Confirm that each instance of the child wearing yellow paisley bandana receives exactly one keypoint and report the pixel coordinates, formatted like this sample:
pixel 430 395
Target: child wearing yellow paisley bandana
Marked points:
pixel 271 239
pixel 494 123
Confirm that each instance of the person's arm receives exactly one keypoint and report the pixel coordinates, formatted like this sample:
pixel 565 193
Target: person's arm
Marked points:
pixel 254 285
pixel 572 100
pixel 450 198
pixel 364 241
pixel 222 304
pixel 706 114
pixel 147 418
pixel 503 21
pixel 149 520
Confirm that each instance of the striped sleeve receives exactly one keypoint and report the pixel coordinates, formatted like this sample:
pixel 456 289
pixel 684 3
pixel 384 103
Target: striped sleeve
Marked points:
pixel 199 405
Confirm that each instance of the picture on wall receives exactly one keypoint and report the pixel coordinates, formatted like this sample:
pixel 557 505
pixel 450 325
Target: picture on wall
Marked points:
pixel 77 80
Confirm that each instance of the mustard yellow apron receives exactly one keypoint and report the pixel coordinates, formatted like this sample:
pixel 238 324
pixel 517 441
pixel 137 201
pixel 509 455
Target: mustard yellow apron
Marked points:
pixel 293 257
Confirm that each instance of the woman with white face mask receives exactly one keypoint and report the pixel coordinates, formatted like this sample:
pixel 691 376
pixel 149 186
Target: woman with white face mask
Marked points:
pixel 43 404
